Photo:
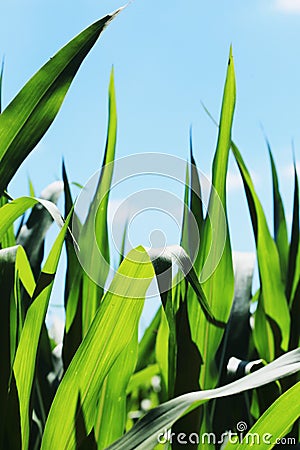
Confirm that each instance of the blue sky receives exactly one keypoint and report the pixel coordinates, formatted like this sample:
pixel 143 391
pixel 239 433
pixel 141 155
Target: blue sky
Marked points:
pixel 168 56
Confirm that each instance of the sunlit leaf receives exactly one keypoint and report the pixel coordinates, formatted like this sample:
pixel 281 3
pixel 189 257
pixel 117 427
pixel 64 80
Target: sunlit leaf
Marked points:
pixel 31 112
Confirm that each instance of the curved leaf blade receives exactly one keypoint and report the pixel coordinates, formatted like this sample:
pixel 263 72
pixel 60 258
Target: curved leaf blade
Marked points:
pixel 145 433
pixel 274 423
pixel 27 118
pixel 11 211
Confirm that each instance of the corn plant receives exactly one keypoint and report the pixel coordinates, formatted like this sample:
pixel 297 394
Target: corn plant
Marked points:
pixel 207 364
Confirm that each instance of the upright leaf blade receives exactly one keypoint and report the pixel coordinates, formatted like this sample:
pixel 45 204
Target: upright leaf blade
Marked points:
pixel 73 286
pixel 196 207
pixel 272 307
pixel 111 419
pixel 24 368
pixel 220 280
pixel 280 228
pixel 293 265
pixel 93 238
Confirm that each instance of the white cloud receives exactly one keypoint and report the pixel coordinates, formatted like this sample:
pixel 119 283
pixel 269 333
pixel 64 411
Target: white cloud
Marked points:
pixel 288 170
pixel 288 6
pixel 234 181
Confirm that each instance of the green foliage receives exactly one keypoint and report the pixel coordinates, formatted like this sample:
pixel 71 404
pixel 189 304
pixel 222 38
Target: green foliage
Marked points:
pixel 92 394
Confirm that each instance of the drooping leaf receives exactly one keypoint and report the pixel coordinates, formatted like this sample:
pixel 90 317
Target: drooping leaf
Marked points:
pixel 163 259
pixel 32 233
pixel 152 426
pixel 11 211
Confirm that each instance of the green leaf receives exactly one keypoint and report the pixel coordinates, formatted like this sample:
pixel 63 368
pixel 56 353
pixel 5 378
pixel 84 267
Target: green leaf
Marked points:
pixel 32 233
pixel 15 272
pixel 174 254
pixel 196 207
pixel 24 368
pixel 215 269
pixel 145 433
pixel 184 240
pixel 293 273
pixel 8 238
pixel 147 343
pixel 31 188
pixel 141 378
pixel 272 308
pixel 111 417
pixel 280 228
pixel 73 286
pixel 274 424
pixel 109 334
pixel 93 238
pixel 162 351
pixel 11 211
pixel 1 82
pixel 293 278
pixel 26 119
pixel 123 243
